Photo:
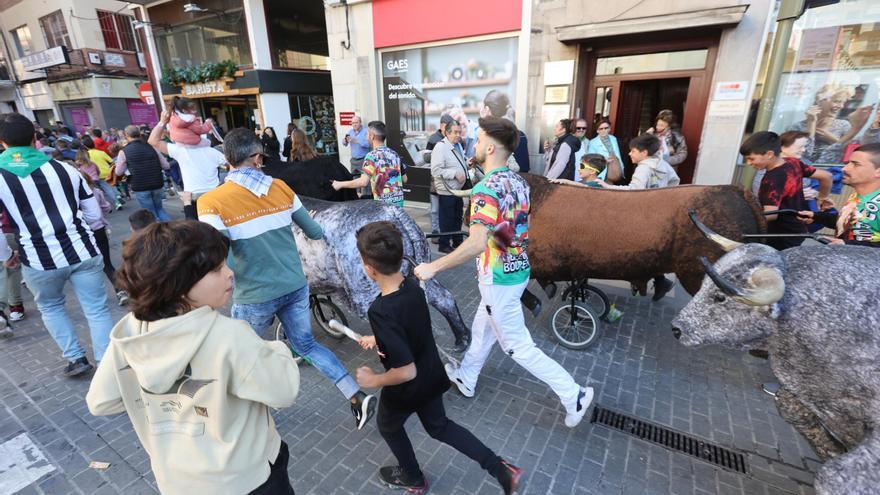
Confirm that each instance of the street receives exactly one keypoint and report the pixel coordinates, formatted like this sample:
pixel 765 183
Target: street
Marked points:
pixel 636 367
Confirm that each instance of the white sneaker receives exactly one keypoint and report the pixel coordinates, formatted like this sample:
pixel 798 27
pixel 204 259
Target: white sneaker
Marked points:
pixel 16 315
pixel 585 398
pixel 452 373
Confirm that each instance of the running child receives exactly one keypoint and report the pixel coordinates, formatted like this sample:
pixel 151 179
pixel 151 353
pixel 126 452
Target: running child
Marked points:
pixel 414 380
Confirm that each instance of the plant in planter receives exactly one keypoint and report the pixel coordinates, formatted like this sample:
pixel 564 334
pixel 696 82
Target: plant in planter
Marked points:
pixel 191 74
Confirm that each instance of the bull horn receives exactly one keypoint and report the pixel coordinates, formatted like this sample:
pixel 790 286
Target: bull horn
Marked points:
pixel 461 193
pixel 766 285
pixel 725 243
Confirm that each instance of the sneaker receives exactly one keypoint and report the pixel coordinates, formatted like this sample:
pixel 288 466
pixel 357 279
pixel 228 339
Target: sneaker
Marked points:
pixel 5 329
pixel 122 297
pixel 78 367
pixel 16 313
pixel 363 408
pixel 614 314
pixel 662 288
pixel 118 205
pixel 585 397
pixel 509 477
pixel 452 373
pixel 394 477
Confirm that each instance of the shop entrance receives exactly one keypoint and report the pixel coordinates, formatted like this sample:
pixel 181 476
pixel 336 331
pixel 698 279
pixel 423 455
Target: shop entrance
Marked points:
pixel 629 85
pixel 231 112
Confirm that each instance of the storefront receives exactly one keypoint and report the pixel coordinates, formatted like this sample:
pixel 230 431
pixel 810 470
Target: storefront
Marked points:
pixel 101 101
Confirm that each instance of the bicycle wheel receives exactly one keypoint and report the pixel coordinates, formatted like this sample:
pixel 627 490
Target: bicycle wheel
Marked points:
pixel 575 326
pixel 281 336
pixel 597 300
pixel 324 311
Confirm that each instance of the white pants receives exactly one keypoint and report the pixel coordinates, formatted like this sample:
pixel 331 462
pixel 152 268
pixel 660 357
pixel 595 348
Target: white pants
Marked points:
pixel 500 318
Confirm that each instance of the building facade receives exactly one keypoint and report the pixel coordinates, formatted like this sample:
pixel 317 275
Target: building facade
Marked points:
pixel 77 61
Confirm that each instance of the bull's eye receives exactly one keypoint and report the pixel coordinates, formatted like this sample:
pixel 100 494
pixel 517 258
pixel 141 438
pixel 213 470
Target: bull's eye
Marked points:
pixel 720 298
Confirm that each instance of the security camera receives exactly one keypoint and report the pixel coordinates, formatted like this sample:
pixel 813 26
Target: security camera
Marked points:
pixel 190 8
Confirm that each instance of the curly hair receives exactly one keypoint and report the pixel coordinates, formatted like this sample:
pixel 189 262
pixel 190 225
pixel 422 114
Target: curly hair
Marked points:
pixel 161 263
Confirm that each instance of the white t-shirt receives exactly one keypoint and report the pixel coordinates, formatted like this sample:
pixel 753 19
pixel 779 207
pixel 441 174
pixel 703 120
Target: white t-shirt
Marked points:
pixel 198 166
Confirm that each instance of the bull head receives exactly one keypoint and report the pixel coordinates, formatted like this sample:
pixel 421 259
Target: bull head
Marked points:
pixel 725 243
pixel 766 285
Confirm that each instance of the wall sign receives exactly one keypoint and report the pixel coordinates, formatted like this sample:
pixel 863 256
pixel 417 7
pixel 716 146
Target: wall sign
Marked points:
pixel 46 58
pixel 731 90
pixel 556 94
pixel 95 58
pixel 114 59
pixel 345 118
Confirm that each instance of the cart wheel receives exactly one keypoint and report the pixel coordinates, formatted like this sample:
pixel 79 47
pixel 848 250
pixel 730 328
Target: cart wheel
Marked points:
pixel 282 337
pixel 324 311
pixel 575 326
pixel 596 300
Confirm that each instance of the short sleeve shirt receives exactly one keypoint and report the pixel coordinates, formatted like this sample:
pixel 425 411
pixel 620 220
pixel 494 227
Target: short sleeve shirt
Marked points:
pixel 382 165
pixel 102 160
pixel 198 166
pixel 866 227
pixel 783 188
pixel 401 324
pixel 501 203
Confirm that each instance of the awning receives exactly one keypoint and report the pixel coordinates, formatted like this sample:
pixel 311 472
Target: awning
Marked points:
pixel 719 17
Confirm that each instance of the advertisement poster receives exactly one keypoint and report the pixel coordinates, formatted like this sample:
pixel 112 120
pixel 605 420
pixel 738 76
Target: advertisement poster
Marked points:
pixel 80 119
pixel 818 49
pixel 141 113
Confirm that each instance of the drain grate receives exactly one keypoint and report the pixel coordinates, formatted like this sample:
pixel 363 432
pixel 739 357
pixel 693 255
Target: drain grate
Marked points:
pixel 671 439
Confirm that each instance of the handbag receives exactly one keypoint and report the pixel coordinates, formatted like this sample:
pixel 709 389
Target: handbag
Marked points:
pixel 467 177
pixel 613 173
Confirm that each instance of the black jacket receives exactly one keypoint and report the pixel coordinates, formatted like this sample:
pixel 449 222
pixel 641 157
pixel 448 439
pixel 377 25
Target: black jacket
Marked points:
pixel 143 162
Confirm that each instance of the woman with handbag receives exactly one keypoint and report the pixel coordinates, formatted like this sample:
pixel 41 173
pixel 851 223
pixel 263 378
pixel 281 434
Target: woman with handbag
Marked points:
pixel 605 144
pixel 449 173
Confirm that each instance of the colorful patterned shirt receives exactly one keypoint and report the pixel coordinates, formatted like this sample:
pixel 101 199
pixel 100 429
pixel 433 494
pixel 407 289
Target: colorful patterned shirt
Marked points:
pixel 866 224
pixel 501 202
pixel 382 165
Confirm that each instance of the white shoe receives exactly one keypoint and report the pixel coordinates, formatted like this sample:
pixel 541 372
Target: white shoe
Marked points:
pixel 452 373
pixel 585 398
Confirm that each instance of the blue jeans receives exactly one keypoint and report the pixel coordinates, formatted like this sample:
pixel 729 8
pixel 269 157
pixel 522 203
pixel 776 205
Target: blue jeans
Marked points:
pixel 109 191
pixel 293 311
pixel 87 279
pixel 152 201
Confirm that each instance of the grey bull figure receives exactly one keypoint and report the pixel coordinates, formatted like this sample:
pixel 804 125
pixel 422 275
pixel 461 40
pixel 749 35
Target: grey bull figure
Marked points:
pixel 815 308
pixel 333 264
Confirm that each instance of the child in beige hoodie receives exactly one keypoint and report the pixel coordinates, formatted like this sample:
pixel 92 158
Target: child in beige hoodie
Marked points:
pixel 196 385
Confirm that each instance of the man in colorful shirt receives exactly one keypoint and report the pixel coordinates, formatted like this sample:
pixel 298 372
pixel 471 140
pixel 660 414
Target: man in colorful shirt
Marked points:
pixel 382 169
pixel 859 220
pixel 499 235
pixel 257 212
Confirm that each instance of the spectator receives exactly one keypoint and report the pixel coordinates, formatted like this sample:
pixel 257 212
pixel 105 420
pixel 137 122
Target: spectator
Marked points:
pixel 271 146
pixel 413 381
pixel 858 221
pixel 198 165
pixel 99 229
pixel 145 165
pixel 382 169
pixel 300 149
pixel 10 277
pixel 590 168
pixel 219 378
pixel 497 104
pixel 104 163
pixel 44 147
pixel 288 141
pixel 55 214
pixel 606 145
pixel 794 145
pixel 100 143
pixel 186 127
pixel 357 138
pixel 673 149
pixel 86 166
pixel 256 212
pixel 433 139
pixel 559 160
pixel 580 132
pixel 63 151
pixel 449 172
pixel 141 219
pixel 782 186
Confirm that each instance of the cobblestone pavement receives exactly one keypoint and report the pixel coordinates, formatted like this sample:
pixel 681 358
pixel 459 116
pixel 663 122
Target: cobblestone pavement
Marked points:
pixel 636 367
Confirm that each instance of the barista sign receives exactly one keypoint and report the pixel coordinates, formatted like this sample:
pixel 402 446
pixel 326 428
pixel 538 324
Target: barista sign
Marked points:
pixel 210 88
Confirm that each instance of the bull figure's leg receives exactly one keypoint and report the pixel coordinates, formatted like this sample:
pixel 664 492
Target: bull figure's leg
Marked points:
pixel 856 471
pixel 440 297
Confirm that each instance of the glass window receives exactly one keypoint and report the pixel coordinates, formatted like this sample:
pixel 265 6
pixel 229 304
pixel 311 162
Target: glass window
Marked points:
pixel 54 30
pixel 117 31
pixel 829 86
pixel 209 39
pixel 298 34
pixel 21 36
pixel 652 62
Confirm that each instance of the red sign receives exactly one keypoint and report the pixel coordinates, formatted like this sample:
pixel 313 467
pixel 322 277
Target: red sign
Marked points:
pixel 345 118
pixel 402 22
pixel 145 91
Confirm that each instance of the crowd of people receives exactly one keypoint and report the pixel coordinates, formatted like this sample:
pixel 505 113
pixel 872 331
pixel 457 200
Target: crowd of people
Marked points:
pixel 198 384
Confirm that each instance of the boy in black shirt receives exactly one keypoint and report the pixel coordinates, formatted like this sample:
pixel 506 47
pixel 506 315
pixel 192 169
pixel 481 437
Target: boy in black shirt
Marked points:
pixel 414 380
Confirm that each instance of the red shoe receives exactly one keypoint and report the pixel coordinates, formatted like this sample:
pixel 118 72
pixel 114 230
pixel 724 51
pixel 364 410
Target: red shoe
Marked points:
pixel 509 477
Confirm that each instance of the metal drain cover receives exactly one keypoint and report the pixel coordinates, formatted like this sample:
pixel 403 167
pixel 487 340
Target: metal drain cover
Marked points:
pixel 671 439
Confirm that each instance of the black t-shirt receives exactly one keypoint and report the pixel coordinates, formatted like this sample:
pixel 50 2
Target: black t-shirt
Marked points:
pixel 783 187
pixel 402 326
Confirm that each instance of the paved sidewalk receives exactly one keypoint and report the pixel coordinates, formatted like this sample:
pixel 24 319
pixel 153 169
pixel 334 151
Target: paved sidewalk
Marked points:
pixel 636 367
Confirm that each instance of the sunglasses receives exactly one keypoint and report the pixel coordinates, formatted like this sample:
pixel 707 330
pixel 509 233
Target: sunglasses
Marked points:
pixel 581 128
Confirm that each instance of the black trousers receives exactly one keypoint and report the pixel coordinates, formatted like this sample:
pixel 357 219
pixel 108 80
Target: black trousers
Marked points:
pixel 450 210
pixel 278 482
pixel 390 421
pixel 104 247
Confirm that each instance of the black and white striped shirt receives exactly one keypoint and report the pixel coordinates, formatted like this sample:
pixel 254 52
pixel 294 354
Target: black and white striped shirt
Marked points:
pixel 50 209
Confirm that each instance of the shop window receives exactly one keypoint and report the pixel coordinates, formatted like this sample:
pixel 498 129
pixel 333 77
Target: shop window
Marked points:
pixel 652 62
pixel 212 38
pixel 315 115
pixel 117 31
pixel 829 86
pixel 21 37
pixel 55 30
pixel 297 34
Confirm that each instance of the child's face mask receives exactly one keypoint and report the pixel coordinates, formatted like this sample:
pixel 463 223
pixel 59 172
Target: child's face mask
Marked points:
pixel 186 117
